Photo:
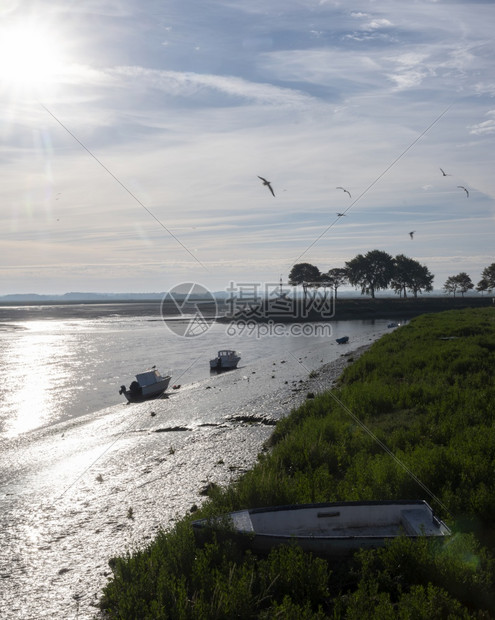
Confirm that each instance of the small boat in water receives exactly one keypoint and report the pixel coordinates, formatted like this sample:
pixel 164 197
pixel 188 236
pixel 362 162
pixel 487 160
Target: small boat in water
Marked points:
pixel 225 359
pixel 149 384
pixel 331 529
pixel 342 340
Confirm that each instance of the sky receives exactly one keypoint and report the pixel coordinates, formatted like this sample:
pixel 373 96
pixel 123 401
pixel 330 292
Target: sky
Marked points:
pixel 133 133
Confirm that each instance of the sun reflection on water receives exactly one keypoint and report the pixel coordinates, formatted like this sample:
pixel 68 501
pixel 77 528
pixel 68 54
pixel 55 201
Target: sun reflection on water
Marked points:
pixel 34 378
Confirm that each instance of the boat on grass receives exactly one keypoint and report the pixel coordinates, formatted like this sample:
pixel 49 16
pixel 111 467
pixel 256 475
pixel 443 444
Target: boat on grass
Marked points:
pixel 334 530
pixel 225 359
pixel 149 384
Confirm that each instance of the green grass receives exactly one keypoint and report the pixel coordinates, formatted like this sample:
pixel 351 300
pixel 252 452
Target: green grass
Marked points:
pixel 427 391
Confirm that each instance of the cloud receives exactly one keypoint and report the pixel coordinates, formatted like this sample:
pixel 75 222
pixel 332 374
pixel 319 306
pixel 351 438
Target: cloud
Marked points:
pixel 486 127
pixel 377 24
pixel 189 84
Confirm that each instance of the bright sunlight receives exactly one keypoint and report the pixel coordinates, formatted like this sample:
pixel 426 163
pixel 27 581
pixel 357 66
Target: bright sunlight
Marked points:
pixel 30 55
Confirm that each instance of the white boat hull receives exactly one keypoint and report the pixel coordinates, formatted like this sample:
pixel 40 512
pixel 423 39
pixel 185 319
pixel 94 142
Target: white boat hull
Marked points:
pixel 150 384
pixel 332 529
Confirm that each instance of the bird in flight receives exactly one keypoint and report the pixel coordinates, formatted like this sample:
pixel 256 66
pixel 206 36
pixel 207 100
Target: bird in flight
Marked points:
pixel 445 174
pixel 411 234
pixel 462 187
pixel 345 190
pixel 268 184
pixel 340 214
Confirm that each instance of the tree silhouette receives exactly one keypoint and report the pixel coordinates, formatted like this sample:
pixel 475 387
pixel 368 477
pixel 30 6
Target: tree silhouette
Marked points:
pixel 465 283
pixel 371 272
pixel 335 278
pixel 410 275
pixel 483 286
pixel 461 282
pixel 306 275
pixel 488 274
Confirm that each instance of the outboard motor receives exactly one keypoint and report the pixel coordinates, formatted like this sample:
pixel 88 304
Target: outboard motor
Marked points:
pixel 122 389
pixel 135 388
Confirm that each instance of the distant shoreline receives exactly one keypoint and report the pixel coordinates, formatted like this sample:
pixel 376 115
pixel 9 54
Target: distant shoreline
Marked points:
pixel 345 309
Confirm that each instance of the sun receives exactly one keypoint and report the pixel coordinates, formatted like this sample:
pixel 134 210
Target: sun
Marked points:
pixel 30 55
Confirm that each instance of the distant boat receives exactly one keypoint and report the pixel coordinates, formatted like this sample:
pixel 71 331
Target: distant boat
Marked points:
pixel 393 324
pixel 149 384
pixel 343 340
pixel 224 360
pixel 331 529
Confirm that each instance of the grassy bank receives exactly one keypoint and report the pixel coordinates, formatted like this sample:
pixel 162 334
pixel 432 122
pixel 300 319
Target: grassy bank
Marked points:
pixel 427 391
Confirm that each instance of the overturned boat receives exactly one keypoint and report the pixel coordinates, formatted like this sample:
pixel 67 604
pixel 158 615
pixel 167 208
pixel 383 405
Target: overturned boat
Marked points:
pixel 149 384
pixel 333 530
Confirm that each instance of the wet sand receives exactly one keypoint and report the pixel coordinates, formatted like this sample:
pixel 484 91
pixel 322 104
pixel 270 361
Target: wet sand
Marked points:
pixel 75 494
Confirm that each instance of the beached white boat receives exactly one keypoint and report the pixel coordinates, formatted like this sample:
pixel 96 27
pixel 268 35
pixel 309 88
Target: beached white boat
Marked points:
pixel 225 359
pixel 149 384
pixel 331 529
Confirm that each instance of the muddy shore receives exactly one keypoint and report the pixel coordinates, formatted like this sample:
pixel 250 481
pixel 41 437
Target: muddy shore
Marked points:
pixel 75 494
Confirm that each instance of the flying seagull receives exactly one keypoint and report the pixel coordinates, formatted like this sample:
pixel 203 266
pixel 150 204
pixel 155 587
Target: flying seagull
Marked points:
pixel 411 234
pixel 462 187
pixel 268 184
pixel 340 214
pixel 345 190
pixel 445 174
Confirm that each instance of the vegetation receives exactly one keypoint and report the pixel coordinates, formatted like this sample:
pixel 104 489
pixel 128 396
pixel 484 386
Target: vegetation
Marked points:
pixel 409 274
pixel 377 270
pixel 335 278
pixel 460 283
pixel 372 272
pixel 305 274
pixel 487 282
pixel 427 391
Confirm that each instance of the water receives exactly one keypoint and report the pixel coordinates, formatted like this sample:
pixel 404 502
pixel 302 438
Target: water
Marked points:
pixel 75 459
pixel 55 369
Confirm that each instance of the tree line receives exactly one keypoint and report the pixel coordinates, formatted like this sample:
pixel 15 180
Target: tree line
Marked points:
pixel 378 270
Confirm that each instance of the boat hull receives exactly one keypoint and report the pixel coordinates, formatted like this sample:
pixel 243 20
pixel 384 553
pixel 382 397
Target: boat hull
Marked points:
pixel 333 530
pixel 218 364
pixel 146 392
pixel 225 360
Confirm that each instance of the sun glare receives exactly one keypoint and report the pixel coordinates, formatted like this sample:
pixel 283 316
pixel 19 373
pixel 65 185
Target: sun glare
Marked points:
pixel 30 55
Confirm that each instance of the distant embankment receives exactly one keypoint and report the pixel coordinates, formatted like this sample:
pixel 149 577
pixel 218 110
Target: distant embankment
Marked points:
pixel 390 308
pixel 346 309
